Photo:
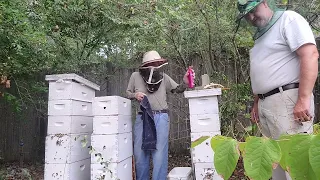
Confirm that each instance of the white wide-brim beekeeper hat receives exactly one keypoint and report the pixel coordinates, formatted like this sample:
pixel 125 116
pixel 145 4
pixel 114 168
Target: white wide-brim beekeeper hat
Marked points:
pixel 151 57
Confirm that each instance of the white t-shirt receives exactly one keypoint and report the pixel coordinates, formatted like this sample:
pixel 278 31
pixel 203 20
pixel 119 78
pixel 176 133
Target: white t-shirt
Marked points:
pixel 273 61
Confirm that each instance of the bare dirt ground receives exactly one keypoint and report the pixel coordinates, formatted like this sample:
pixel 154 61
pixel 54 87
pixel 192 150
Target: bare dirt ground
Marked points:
pixel 13 171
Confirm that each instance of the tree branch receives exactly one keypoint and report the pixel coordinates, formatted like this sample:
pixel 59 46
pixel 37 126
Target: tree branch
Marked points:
pixel 177 49
pixel 209 33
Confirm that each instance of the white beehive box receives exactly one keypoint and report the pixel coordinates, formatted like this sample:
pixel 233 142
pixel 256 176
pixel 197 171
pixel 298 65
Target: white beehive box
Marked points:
pixel 206 171
pixel 203 105
pixel 66 86
pixel 69 108
pixel 111 105
pixel 112 171
pixel 204 122
pixel 112 124
pixel 111 148
pixel 62 149
pixel 70 90
pixel 203 101
pixel 70 124
pixel 180 173
pixel 202 152
pixel 75 171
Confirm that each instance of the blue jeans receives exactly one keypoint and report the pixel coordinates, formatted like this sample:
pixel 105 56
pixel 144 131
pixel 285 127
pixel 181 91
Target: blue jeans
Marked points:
pixel 159 156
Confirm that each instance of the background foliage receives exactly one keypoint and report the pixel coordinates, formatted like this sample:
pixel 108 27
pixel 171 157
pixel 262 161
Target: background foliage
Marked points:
pixel 39 37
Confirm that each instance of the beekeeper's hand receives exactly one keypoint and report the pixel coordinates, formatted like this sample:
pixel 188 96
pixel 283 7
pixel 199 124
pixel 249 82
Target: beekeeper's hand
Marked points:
pixel 139 95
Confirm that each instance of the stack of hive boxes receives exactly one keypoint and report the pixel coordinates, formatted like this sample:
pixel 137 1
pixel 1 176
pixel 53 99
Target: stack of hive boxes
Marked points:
pixel 204 121
pixel 69 127
pixel 112 150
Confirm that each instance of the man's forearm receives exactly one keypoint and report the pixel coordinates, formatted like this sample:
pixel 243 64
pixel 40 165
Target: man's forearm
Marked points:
pixel 308 75
pixel 180 89
pixel 130 95
pixel 256 98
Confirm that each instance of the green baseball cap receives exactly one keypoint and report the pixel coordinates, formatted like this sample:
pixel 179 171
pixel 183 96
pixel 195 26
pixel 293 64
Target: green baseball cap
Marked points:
pixel 245 6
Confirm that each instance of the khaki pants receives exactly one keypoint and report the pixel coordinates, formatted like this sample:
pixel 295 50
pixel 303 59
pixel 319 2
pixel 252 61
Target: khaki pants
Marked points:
pixel 276 118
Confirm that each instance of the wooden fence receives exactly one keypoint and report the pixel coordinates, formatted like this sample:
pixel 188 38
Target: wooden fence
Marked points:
pixel 22 136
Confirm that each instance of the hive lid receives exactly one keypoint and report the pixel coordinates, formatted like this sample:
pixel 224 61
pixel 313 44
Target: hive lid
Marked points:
pixel 202 93
pixel 74 77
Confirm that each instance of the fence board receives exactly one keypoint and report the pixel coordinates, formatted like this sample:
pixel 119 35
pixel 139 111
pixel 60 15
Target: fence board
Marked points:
pixel 32 128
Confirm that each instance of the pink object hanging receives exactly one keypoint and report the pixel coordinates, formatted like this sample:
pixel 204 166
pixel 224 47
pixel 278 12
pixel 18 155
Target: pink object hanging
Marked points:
pixel 190 77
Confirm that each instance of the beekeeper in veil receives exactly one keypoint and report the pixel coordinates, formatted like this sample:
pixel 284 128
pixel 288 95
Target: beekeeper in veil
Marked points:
pixel 153 83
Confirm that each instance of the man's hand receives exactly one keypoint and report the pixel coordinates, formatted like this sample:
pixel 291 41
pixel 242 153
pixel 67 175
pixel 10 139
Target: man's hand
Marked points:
pixel 301 110
pixel 185 78
pixel 308 55
pixel 254 113
pixel 139 96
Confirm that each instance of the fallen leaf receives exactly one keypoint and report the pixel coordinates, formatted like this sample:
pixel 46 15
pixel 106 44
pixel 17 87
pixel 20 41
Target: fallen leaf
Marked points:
pixel 8 84
pixel 3 79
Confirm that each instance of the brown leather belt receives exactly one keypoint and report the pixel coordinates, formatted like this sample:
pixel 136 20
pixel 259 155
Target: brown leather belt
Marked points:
pixel 157 111
pixel 277 90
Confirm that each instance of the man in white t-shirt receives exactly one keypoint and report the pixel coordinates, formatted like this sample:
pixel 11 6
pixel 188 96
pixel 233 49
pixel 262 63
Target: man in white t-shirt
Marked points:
pixel 283 70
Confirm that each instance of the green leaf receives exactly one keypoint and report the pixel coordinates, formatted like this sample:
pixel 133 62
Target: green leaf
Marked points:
pixel 249 128
pixel 242 146
pixel 298 159
pixel 249 138
pixel 261 154
pixel 314 155
pixel 216 140
pixel 316 129
pixel 226 155
pixel 199 141
pixel 284 143
pixel 84 141
pixel 91 151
